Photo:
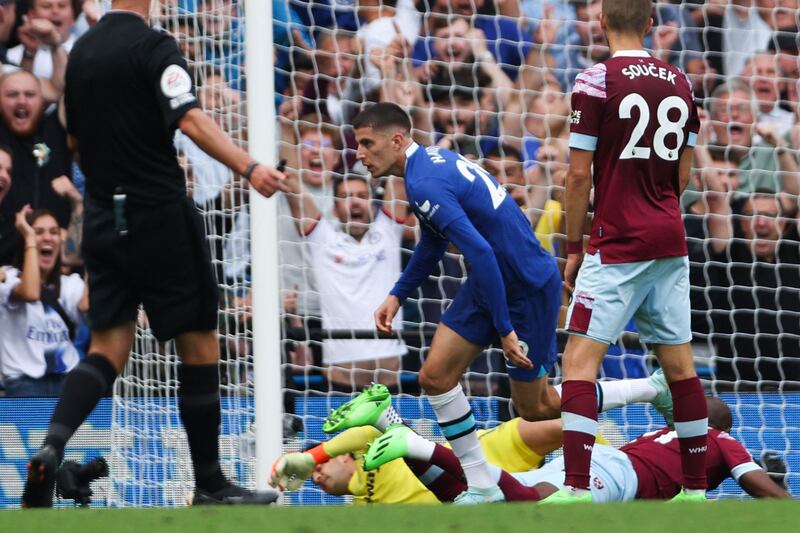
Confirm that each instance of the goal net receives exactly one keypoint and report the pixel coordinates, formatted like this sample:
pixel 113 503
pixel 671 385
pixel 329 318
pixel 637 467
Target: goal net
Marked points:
pixel 493 84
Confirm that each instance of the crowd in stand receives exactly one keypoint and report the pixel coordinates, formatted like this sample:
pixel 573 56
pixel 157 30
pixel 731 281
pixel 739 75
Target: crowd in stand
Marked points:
pixel 489 79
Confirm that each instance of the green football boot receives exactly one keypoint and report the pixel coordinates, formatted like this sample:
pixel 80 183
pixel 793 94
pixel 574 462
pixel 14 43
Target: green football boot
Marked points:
pixel 363 410
pixel 566 496
pixel 476 496
pixel 684 496
pixel 663 400
pixel 390 446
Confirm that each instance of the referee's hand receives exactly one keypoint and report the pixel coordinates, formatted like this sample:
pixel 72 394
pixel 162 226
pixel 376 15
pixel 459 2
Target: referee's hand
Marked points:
pixel 267 180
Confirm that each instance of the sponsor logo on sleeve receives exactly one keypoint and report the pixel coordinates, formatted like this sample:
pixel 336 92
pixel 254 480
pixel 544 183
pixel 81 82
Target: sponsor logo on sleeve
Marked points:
pixel 175 81
pixel 183 99
pixel 575 117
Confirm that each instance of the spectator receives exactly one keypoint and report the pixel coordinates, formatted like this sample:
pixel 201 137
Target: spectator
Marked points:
pixel 45 38
pixel 336 56
pixel 717 181
pixel 223 23
pixel 452 42
pixel 463 112
pixel 354 265
pixel 733 116
pixel 505 39
pixel 190 34
pixel 8 19
pixel 38 144
pixel 785 47
pixel 530 191
pixel 748 30
pixel 314 155
pixel 534 117
pixel 39 311
pixel 754 294
pixel 672 41
pixel 762 75
pixel 382 23
pixel 579 44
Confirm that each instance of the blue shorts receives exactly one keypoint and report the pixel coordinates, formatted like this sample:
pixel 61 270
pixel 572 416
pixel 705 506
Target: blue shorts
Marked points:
pixel 534 315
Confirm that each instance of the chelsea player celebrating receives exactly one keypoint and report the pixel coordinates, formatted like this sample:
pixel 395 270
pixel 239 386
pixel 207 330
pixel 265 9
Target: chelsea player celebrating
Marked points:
pixel 513 290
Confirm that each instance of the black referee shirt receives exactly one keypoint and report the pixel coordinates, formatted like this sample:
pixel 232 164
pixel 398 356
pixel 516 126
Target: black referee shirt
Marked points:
pixel 126 87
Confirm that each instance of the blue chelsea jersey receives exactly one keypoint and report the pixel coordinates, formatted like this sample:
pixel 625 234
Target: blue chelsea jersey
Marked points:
pixel 443 186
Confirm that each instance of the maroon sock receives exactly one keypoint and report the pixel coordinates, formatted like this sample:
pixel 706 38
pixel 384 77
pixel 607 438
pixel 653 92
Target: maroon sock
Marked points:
pixel 579 417
pixel 691 425
pixel 442 484
pixel 446 459
pixel 515 491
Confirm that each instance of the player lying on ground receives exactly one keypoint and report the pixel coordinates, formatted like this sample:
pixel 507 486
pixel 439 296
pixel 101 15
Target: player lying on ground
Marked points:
pixel 646 468
pixel 513 290
pixel 337 465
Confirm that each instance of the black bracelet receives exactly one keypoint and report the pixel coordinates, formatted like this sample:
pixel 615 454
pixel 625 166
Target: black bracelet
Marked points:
pixel 249 170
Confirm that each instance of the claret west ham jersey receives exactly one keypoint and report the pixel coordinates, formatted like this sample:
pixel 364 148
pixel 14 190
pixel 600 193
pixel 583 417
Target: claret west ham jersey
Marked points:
pixel 637 114
pixel 656 458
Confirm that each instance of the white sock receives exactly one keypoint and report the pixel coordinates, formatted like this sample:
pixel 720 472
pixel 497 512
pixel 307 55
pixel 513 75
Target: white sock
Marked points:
pixel 419 447
pixel 621 392
pixel 388 417
pixel 458 425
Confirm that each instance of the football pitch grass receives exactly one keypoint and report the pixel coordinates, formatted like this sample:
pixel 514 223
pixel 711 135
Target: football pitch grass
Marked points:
pixel 639 517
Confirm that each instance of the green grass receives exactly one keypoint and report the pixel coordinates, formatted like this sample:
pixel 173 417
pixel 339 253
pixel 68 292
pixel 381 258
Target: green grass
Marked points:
pixel 637 517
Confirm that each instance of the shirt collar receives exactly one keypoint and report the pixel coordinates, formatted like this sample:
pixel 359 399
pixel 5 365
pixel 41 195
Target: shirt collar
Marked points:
pixel 411 150
pixel 126 11
pixel 631 53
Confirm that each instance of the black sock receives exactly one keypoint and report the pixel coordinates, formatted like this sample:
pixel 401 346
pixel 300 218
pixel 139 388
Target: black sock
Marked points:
pixel 83 388
pixel 198 399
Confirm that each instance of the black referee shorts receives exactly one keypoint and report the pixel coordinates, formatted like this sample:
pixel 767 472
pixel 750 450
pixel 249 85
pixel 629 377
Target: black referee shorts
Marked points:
pixel 163 262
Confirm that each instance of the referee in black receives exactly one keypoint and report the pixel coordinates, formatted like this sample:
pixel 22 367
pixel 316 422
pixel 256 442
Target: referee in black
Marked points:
pixel 127 90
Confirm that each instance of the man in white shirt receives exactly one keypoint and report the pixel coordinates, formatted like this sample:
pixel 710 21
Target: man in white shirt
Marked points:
pixel 354 261
pixel 38 48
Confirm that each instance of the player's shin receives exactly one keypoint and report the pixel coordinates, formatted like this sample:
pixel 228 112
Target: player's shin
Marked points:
pixel 691 425
pixel 83 388
pixel 458 425
pixel 441 483
pixel 198 401
pixel 579 418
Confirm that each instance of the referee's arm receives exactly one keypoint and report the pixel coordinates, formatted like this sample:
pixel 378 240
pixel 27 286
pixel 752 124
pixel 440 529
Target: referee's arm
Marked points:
pixel 211 139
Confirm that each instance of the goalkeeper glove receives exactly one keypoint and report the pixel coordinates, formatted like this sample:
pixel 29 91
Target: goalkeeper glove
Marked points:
pixel 290 471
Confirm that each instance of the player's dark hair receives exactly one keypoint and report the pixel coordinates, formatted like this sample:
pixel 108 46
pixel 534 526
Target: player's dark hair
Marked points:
pixel 383 116
pixel 505 150
pixel 719 414
pixel 54 278
pixel 627 16
pixel 340 179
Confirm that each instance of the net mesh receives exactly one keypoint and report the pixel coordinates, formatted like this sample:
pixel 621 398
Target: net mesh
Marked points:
pixel 494 85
